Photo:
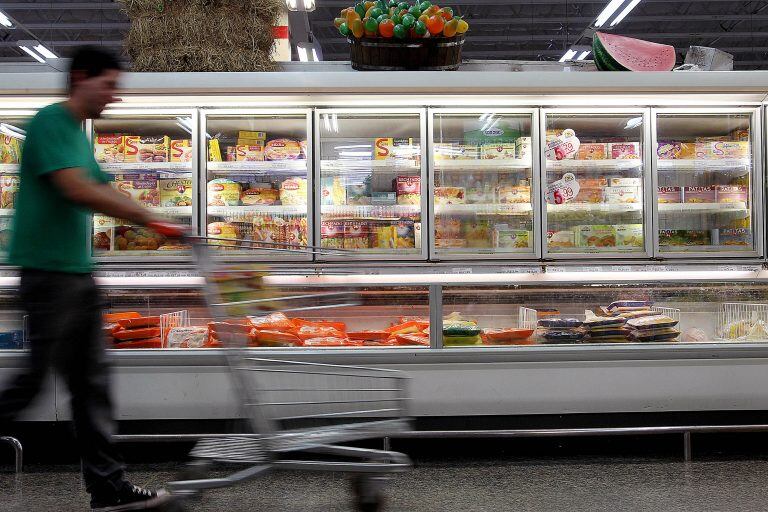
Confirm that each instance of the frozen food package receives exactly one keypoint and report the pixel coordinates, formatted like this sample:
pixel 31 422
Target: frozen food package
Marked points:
pixel 443 151
pixel 383 198
pixel 447 227
pixel 523 148
pixel 449 195
pixel 622 195
pixel 596 236
pixel 175 191
pixel 684 237
pixel 223 230
pixel 181 150
pixel 408 190
pixel 590 195
pixel 651 322
pixel 397 147
pixel 562 336
pixel 356 234
pixel 727 149
pixel 103 233
pixel 699 194
pixel 629 304
pixel 359 194
pixel 405 232
pixel 223 192
pixel 450 243
pixel 332 191
pixel 477 233
pixel 594 322
pixel 592 151
pixel 332 234
pixel 657 335
pixel 732 194
pixel 214 151
pixel 740 134
pixel 629 235
pixel 501 336
pixel 142 188
pixel 704 150
pixel 9 189
pixel 466 152
pixel 109 148
pixel 734 237
pixel 625 182
pixel 293 192
pixel 560 323
pixel 282 149
pixel 10 150
pixel 498 151
pixel 561 238
pixel 258 195
pixel 675 150
pixel 247 153
pixel 670 195
pixel 146 149
pixel 250 134
pixel 508 194
pixel 624 150
pixel 505 238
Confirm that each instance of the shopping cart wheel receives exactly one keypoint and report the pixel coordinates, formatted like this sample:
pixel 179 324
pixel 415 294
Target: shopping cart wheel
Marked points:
pixel 368 494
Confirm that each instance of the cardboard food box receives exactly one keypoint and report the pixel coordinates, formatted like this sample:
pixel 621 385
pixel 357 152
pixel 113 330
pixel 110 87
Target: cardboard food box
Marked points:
pixel 624 150
pixel 675 150
pixel 684 237
pixel 9 189
pixel 449 195
pixel 383 198
pixel 408 190
pixel 332 191
pixel 734 237
pixel 175 192
pixel 590 195
pixel 142 188
pixel 332 234
pixel 398 147
pixel 223 192
pixel 596 236
pixel 450 243
pixel 732 194
pixel 181 150
pixel 730 149
pixel 443 151
pixel 359 194
pixel 519 194
pixel 740 134
pixel 109 148
pixel 629 235
pixel 523 149
pixel 248 153
pixel 699 194
pixel 259 195
pixel 293 192
pixel 622 195
pixel 10 150
pixel 592 151
pixel 447 227
pixel 466 152
pixel 146 149
pixel 405 231
pixel 103 233
pixel 282 149
pixel 670 195
pixel 246 134
pixel 505 238
pixel 498 151
pixel 561 239
pixel 356 234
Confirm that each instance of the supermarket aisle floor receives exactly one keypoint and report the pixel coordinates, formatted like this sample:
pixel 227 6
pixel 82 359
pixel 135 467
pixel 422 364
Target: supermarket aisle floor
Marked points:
pixel 466 486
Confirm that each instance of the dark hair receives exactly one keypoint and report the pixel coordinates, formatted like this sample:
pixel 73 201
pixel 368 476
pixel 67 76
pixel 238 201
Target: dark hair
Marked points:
pixel 92 61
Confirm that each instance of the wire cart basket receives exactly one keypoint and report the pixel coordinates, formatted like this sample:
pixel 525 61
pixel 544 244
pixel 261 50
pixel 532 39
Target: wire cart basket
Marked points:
pixel 294 406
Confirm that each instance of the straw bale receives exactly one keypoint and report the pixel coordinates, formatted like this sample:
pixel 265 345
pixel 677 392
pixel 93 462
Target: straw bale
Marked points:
pixel 203 59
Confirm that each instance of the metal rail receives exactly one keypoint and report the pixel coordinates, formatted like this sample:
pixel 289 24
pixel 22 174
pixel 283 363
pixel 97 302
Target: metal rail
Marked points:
pixel 18 450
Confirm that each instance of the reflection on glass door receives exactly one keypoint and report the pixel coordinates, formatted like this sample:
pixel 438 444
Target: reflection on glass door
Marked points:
pixel 594 183
pixel 483 183
pixel 149 159
pixel 705 183
pixel 12 135
pixel 257 183
pixel 371 190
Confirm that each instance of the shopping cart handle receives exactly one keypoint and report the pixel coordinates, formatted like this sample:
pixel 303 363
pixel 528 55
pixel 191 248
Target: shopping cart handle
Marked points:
pixel 169 229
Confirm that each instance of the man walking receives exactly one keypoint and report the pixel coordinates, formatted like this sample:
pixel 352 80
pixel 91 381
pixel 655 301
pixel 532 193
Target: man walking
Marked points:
pixel 60 183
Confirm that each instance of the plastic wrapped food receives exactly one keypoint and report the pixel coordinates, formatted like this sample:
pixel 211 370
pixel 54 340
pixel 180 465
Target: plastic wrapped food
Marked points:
pixel 306 332
pixel 326 341
pixel 141 321
pixel 137 334
pixel 651 322
pixel 461 328
pixel 598 321
pixel 571 336
pixel 368 335
pixel 629 304
pixel 560 323
pixel 187 337
pixel 272 321
pixel 449 341
pixel 411 339
pixel 654 335
pixel 273 338
pixel 114 317
pixel 494 336
pixel 155 342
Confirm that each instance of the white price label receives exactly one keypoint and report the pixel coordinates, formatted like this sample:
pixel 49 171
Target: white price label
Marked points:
pixel 563 190
pixel 462 270
pixel 563 146
pixel 621 268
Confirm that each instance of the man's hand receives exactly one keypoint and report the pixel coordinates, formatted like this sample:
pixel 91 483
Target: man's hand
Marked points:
pixel 168 229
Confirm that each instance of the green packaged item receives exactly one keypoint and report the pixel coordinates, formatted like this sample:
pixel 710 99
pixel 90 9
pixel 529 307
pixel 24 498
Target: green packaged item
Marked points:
pixel 460 328
pixel 461 340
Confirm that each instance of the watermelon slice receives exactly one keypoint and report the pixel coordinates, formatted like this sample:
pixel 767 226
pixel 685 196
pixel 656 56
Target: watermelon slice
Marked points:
pixel 619 53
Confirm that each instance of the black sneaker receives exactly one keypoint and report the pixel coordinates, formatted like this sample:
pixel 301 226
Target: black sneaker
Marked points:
pixel 130 497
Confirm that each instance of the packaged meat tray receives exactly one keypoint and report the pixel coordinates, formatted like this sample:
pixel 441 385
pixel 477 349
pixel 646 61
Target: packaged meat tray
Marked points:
pixel 560 323
pixel 651 322
pixel 136 322
pixel 599 321
pixel 562 336
pixel 654 335
pixel 629 304
pixel 500 336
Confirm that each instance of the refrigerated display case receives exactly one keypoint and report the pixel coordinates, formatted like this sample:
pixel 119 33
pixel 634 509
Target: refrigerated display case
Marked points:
pixel 593 164
pixel 150 157
pixel 257 182
pixel 12 135
pixel 484 191
pixel 372 195
pixel 708 182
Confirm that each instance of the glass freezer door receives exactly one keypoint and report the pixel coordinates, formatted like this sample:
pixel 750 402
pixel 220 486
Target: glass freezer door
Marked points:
pixel 12 135
pixel 706 183
pixel 372 191
pixel 149 158
pixel 594 183
pixel 257 182
pixel 483 183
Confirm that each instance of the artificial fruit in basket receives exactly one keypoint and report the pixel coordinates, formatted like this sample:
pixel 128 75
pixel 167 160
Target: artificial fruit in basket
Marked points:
pixel 399 20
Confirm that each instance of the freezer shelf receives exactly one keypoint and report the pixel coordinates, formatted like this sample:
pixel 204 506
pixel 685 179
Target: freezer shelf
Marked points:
pixel 594 183
pixel 483 184
pixel 705 182
pixel 257 181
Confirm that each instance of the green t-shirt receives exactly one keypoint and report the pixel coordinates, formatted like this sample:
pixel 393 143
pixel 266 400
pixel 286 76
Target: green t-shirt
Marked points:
pixel 50 232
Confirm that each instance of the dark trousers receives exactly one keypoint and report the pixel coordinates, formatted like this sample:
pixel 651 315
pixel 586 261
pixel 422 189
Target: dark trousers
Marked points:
pixel 64 326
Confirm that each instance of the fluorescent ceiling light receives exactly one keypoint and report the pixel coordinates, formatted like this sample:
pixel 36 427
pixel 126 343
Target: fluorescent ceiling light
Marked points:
pixel 568 55
pixel 611 8
pixel 624 13
pixel 314 54
pixel 32 54
pixel 335 122
pixel 302 53
pixel 583 55
pixel 5 20
pixel 45 52
pixel 309 5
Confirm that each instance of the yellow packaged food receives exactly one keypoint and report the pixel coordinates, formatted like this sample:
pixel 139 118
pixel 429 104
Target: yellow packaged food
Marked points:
pixel 223 230
pixel 142 188
pixel 181 150
pixel 109 148
pixel 223 192
pixel 214 151
pixel 246 134
pixel 9 188
pixel 146 149
pixel 383 236
pixel 293 192
pixel 500 151
pixel 249 153
pixel 356 235
pixel 449 195
pixel 282 149
pixel 175 192
pixel 10 150
pixel 260 195
pixel 395 147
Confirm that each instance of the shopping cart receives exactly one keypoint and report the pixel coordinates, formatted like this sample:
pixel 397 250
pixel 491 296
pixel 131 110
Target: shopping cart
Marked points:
pixel 294 406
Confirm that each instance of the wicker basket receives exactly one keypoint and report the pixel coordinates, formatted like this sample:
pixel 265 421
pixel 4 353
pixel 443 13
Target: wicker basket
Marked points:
pixel 431 54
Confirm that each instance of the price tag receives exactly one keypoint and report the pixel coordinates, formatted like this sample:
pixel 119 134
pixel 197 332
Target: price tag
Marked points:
pixel 621 268
pixel 462 270
pixel 563 146
pixel 519 270
pixel 563 190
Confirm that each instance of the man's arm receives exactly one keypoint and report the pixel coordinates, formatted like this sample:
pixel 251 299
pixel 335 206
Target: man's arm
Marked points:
pixel 78 188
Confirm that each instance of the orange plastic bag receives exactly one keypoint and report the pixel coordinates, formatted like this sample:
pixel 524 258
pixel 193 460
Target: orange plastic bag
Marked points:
pixel 112 318
pixel 412 339
pixel 411 327
pixel 306 332
pixel 147 343
pixel 272 322
pixel 368 335
pixel 270 338
pixel 137 334
pixel 339 326
pixel 142 321
pixel 326 341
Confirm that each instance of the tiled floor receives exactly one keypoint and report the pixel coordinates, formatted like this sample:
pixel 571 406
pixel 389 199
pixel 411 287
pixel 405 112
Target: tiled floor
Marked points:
pixel 438 486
